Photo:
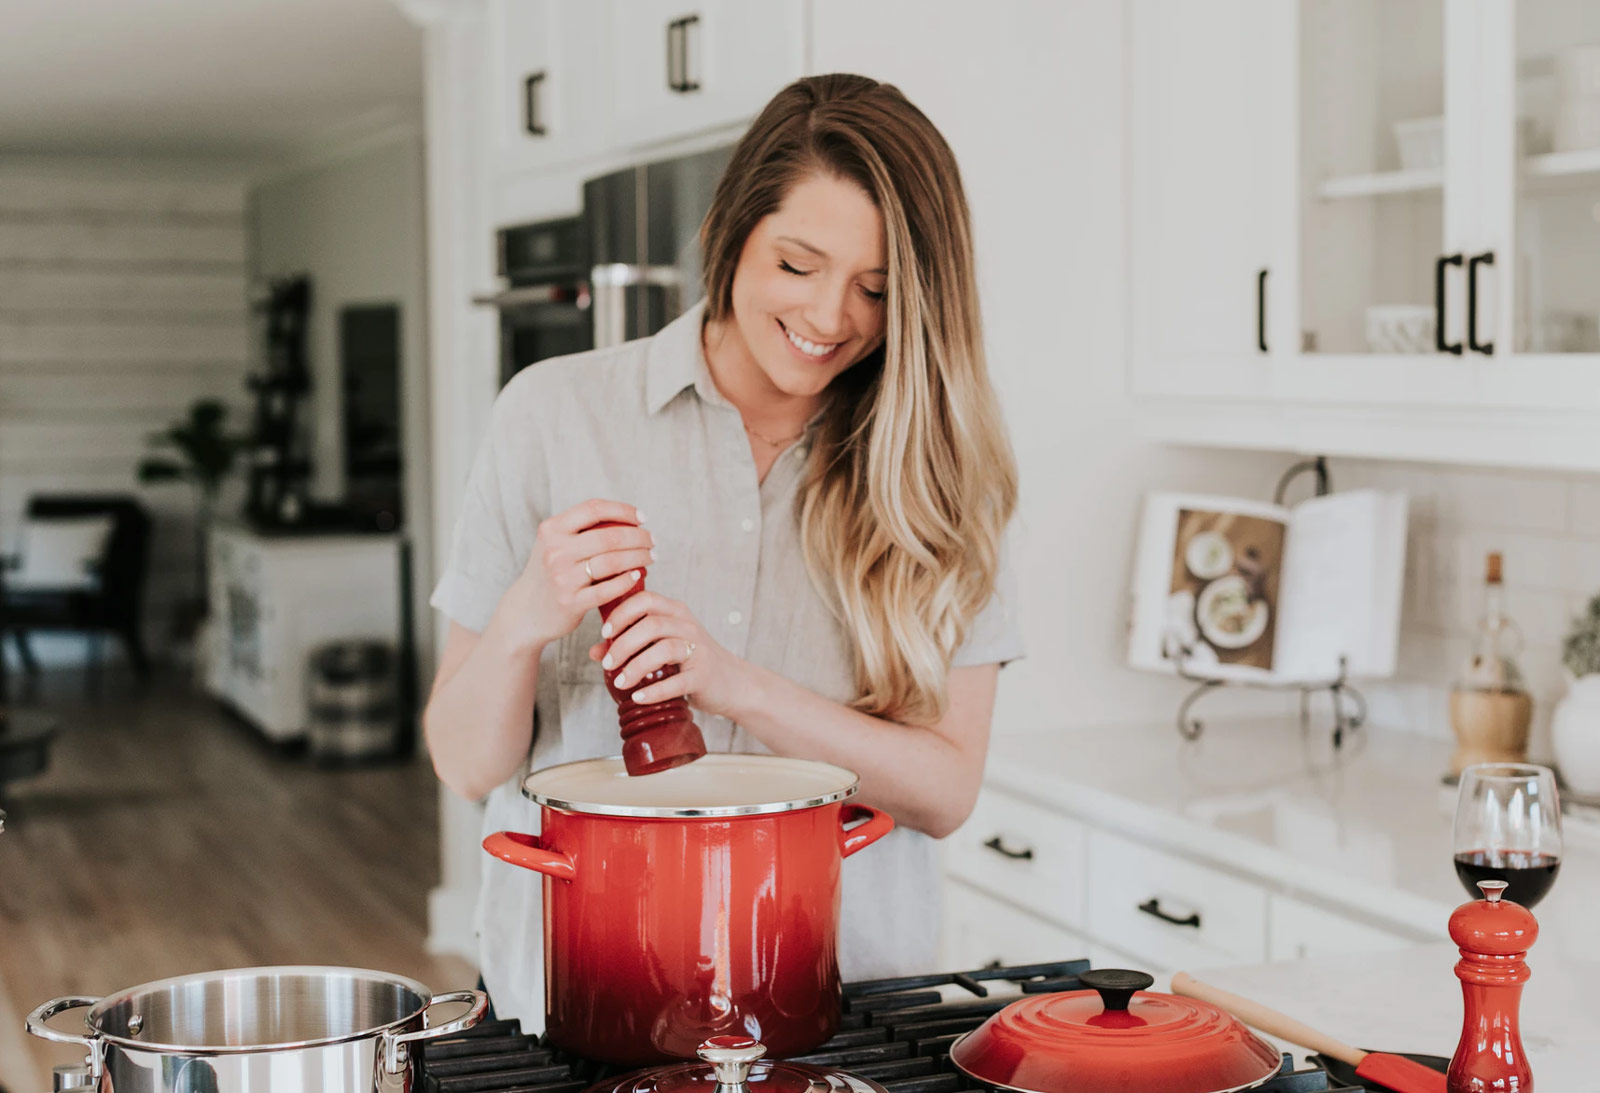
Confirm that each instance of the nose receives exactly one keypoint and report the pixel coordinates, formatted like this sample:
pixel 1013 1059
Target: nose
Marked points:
pixel 826 313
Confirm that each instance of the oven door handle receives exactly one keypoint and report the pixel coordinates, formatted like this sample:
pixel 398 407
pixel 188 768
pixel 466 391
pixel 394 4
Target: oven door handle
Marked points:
pixel 610 284
pixel 534 294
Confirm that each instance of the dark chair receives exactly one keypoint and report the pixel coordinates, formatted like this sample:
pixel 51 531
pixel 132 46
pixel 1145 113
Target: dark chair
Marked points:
pixel 116 604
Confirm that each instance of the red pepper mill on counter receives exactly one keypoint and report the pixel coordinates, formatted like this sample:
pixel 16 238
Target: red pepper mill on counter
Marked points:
pixel 660 735
pixel 1494 935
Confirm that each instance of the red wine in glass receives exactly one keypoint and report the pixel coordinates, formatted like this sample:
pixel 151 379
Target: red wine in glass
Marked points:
pixel 1508 827
pixel 1528 874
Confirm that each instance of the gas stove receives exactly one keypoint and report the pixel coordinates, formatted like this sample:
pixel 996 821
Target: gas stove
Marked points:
pixel 896 1032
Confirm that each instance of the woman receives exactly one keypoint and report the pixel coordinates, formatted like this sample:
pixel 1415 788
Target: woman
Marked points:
pixel 824 477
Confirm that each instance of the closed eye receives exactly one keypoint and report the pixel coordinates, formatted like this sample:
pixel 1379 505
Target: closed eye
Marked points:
pixel 787 268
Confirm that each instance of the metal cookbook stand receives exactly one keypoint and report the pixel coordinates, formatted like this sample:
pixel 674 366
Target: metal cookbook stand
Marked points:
pixel 1349 707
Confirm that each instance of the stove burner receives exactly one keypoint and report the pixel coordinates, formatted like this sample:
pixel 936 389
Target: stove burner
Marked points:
pixel 897 1032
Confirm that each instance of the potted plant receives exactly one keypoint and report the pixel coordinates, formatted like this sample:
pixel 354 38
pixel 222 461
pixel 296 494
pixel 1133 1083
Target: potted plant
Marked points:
pixel 1575 726
pixel 203 455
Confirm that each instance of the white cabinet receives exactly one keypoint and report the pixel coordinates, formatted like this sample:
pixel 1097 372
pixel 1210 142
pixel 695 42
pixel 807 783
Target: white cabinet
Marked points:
pixel 1300 931
pixel 681 66
pixel 1033 855
pixel 1025 883
pixel 1418 178
pixel 980 930
pixel 276 598
pixel 549 82
pixel 1174 912
pixel 1209 97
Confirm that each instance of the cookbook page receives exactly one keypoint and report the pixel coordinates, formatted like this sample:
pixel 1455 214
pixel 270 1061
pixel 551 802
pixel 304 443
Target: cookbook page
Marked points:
pixel 1342 586
pixel 1206 586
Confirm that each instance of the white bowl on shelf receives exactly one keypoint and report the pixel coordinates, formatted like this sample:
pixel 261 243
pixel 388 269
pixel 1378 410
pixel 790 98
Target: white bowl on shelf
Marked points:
pixel 1400 328
pixel 1421 142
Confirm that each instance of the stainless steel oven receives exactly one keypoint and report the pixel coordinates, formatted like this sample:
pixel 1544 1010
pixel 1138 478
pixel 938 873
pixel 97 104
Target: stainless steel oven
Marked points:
pixel 545 310
pixel 623 270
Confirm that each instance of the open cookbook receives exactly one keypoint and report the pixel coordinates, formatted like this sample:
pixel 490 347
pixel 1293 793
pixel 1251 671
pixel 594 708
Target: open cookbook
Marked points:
pixel 1244 590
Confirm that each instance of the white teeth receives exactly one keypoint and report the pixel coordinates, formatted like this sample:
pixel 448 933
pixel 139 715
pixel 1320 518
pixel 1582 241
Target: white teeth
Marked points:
pixel 810 348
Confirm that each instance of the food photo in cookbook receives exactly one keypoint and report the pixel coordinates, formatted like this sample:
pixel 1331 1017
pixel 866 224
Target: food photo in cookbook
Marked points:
pixel 1224 590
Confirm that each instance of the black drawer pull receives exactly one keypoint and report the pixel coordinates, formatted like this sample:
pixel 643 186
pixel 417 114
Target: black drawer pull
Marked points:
pixel 1153 907
pixel 1025 854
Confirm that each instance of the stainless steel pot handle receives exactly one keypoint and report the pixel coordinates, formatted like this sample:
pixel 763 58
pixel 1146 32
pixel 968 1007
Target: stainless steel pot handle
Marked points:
pixel 395 1054
pixel 56 1006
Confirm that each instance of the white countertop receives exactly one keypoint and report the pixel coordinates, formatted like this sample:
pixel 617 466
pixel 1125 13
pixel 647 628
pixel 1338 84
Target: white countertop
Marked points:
pixel 1365 828
pixel 1410 1001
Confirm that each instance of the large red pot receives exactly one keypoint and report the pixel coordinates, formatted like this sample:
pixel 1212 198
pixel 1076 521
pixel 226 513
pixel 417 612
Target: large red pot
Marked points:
pixel 698 902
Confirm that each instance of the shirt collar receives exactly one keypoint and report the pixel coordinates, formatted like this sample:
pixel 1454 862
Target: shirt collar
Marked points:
pixel 676 360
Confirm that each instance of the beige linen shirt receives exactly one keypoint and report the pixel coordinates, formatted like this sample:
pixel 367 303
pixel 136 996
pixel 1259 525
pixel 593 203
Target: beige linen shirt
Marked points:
pixel 644 423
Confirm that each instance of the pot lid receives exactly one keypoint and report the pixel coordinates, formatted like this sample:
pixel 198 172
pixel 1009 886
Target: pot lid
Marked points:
pixel 719 784
pixel 734 1064
pixel 1115 1038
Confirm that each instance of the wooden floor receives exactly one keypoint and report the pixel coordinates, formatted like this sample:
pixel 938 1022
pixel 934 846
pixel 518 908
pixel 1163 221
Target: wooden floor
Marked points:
pixel 166 839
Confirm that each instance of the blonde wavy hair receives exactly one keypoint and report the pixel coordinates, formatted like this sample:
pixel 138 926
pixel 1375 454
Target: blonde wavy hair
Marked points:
pixel 911 479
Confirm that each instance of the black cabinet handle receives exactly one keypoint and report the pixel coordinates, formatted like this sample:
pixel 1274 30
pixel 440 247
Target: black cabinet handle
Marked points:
pixel 1153 907
pixel 673 78
pixel 1261 311
pixel 678 78
pixel 531 121
pixel 1025 854
pixel 1438 304
pixel 1484 259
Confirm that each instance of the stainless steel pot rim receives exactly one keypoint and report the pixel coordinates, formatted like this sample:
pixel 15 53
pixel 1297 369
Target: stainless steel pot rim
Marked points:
pixel 137 1044
pixel 763 808
pixel 1263 1080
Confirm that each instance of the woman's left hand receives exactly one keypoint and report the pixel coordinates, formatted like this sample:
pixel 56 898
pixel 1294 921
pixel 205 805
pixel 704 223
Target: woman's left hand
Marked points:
pixel 648 631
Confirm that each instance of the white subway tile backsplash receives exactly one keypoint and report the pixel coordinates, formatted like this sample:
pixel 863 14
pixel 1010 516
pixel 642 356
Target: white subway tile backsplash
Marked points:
pixel 1584 509
pixel 1494 500
pixel 1546 527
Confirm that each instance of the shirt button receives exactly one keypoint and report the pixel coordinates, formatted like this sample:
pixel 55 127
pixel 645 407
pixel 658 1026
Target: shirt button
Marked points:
pixel 734 618
pixel 747 524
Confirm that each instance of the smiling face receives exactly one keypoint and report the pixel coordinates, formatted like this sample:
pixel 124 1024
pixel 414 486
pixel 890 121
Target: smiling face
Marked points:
pixel 807 293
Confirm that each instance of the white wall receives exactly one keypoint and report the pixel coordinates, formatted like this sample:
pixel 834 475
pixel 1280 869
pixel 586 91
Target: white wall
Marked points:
pixel 122 300
pixel 1031 102
pixel 356 226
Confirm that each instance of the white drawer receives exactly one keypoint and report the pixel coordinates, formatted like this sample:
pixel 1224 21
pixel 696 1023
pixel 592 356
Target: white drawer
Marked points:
pixel 1301 930
pixel 1022 853
pixel 1171 912
pixel 980 930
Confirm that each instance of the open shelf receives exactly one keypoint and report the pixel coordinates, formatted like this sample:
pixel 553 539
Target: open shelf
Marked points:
pixel 1586 161
pixel 1383 182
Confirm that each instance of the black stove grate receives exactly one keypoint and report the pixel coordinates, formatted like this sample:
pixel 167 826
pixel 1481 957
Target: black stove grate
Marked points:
pixel 896 1032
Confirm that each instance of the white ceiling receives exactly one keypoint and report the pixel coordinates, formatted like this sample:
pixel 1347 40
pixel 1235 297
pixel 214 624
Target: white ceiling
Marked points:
pixel 235 78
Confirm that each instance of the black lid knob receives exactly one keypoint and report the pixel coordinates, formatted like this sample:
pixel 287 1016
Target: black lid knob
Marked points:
pixel 1116 985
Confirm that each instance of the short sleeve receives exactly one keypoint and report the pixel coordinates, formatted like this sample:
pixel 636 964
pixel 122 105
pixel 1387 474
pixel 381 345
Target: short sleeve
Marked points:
pixel 995 636
pixel 484 557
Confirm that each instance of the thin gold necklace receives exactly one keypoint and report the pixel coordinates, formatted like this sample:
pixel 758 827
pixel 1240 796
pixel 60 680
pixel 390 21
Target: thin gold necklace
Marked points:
pixel 775 443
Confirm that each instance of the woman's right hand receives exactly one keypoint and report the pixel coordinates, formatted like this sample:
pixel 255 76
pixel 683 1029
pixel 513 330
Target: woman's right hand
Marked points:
pixel 555 589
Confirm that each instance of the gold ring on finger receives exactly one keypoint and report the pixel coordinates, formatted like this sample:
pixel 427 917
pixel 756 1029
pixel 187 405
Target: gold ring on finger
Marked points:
pixel 587 571
pixel 688 651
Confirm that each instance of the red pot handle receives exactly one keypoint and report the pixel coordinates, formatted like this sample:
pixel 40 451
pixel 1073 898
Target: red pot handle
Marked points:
pixel 526 851
pixel 877 826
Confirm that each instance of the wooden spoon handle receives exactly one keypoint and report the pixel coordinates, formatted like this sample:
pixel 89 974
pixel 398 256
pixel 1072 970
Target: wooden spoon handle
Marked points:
pixel 1269 1021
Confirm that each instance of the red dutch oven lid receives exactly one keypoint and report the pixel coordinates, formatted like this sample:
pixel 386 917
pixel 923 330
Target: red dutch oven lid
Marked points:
pixel 1111 1040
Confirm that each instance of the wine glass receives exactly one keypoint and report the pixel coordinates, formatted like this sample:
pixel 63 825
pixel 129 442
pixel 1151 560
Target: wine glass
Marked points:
pixel 1508 827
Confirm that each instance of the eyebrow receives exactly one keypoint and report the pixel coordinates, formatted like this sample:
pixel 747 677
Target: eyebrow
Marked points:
pixel 803 245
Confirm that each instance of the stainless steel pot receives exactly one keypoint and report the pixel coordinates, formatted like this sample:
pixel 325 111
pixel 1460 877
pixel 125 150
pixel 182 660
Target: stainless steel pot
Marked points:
pixel 314 1030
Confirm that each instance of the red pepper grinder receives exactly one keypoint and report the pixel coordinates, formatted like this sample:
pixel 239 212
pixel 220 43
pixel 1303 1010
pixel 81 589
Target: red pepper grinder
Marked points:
pixel 660 735
pixel 1494 935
